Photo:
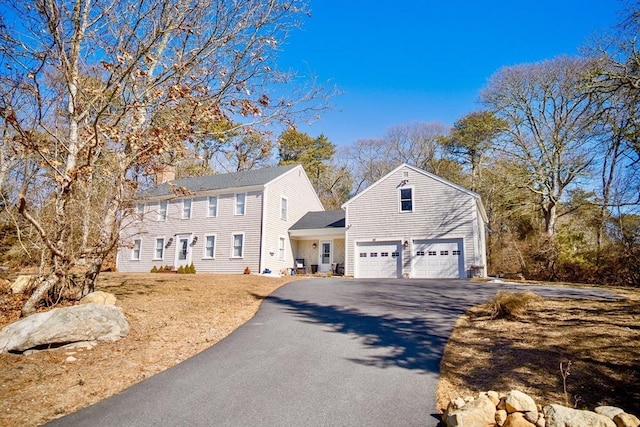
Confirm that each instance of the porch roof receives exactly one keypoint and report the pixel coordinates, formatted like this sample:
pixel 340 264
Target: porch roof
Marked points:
pixel 321 222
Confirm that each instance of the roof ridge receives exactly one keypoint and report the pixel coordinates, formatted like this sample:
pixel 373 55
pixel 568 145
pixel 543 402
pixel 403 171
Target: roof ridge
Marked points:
pixel 195 184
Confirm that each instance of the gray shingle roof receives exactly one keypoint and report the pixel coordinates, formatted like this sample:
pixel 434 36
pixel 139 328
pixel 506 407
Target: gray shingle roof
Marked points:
pixel 322 219
pixel 217 182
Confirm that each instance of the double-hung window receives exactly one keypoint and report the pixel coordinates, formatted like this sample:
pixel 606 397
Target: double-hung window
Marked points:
pixel 210 246
pixel 159 250
pixel 406 200
pixel 186 208
pixel 281 245
pixel 283 208
pixel 213 206
pixel 238 245
pixel 162 211
pixel 140 209
pixel 135 253
pixel 240 203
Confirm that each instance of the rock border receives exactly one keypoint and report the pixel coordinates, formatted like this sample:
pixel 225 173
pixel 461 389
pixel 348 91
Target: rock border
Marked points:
pixel 517 409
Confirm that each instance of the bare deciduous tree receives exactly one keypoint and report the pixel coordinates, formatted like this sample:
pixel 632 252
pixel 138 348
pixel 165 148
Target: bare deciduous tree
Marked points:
pixel 551 119
pixel 85 89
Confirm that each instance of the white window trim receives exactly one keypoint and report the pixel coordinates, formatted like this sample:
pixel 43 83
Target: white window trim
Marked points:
pixel 284 200
pixel 233 235
pixel 190 208
pixel 140 209
pixel 133 250
pixel 155 247
pixel 215 214
pixel 215 243
pixel 235 204
pixel 166 210
pixel 282 251
pixel 413 199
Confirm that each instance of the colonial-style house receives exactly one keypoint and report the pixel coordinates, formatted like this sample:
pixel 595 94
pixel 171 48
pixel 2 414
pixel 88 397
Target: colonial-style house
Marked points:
pixel 222 223
pixel 410 223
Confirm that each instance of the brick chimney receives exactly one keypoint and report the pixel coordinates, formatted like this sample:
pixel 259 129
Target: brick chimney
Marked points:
pixel 165 173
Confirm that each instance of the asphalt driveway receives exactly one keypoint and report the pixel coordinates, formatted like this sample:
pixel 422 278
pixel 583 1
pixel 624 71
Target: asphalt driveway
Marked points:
pixel 320 352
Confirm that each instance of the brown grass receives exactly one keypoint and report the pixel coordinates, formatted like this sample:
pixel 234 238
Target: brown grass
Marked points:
pixel 511 305
pixel 600 339
pixel 171 317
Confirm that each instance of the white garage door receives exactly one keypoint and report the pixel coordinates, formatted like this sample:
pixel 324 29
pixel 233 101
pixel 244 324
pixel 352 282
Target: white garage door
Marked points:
pixel 437 259
pixel 378 260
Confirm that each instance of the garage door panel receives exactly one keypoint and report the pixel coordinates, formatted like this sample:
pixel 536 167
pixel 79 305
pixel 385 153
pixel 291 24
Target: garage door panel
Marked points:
pixel 378 260
pixel 437 259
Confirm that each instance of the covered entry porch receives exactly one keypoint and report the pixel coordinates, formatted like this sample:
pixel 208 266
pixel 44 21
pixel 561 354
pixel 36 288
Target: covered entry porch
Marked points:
pixel 318 243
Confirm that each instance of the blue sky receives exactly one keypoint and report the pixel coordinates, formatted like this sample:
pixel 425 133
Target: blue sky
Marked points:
pixel 420 60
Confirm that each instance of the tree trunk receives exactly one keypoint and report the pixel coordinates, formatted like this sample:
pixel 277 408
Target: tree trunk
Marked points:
pixel 91 274
pixel 44 285
pixel 550 219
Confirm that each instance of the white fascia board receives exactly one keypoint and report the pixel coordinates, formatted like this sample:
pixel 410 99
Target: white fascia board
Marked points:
pixel 417 170
pixel 317 232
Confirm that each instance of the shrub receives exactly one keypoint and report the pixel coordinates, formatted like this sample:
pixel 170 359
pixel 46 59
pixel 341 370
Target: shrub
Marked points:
pixel 247 270
pixel 181 270
pixel 509 305
pixel 154 269
pixel 191 269
pixel 160 270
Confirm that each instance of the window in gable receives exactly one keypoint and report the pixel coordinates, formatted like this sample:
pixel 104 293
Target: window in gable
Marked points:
pixel 406 199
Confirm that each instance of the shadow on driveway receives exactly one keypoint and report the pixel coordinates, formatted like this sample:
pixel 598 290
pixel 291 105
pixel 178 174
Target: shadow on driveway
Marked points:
pixel 409 343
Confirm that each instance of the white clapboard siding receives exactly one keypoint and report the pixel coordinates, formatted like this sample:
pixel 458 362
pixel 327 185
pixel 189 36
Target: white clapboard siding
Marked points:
pixel 441 210
pixel 301 198
pixel 261 226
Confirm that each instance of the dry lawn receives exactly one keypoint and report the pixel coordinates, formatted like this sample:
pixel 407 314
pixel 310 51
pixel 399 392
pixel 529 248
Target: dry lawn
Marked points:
pixel 600 339
pixel 172 317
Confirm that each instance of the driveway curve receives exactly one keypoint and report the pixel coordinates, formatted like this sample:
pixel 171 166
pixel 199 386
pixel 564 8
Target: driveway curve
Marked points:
pixel 319 352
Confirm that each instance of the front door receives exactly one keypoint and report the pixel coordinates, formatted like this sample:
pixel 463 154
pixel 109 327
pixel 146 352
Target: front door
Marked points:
pixel 183 251
pixel 326 257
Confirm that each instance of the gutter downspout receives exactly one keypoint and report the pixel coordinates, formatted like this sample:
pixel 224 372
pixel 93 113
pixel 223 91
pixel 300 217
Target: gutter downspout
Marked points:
pixel 263 221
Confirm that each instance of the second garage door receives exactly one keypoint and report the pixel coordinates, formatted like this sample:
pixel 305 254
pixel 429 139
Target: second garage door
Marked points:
pixel 378 260
pixel 437 259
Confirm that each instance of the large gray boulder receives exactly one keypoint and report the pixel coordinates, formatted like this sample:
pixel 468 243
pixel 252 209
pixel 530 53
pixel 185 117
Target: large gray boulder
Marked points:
pixel 561 416
pixel 60 326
